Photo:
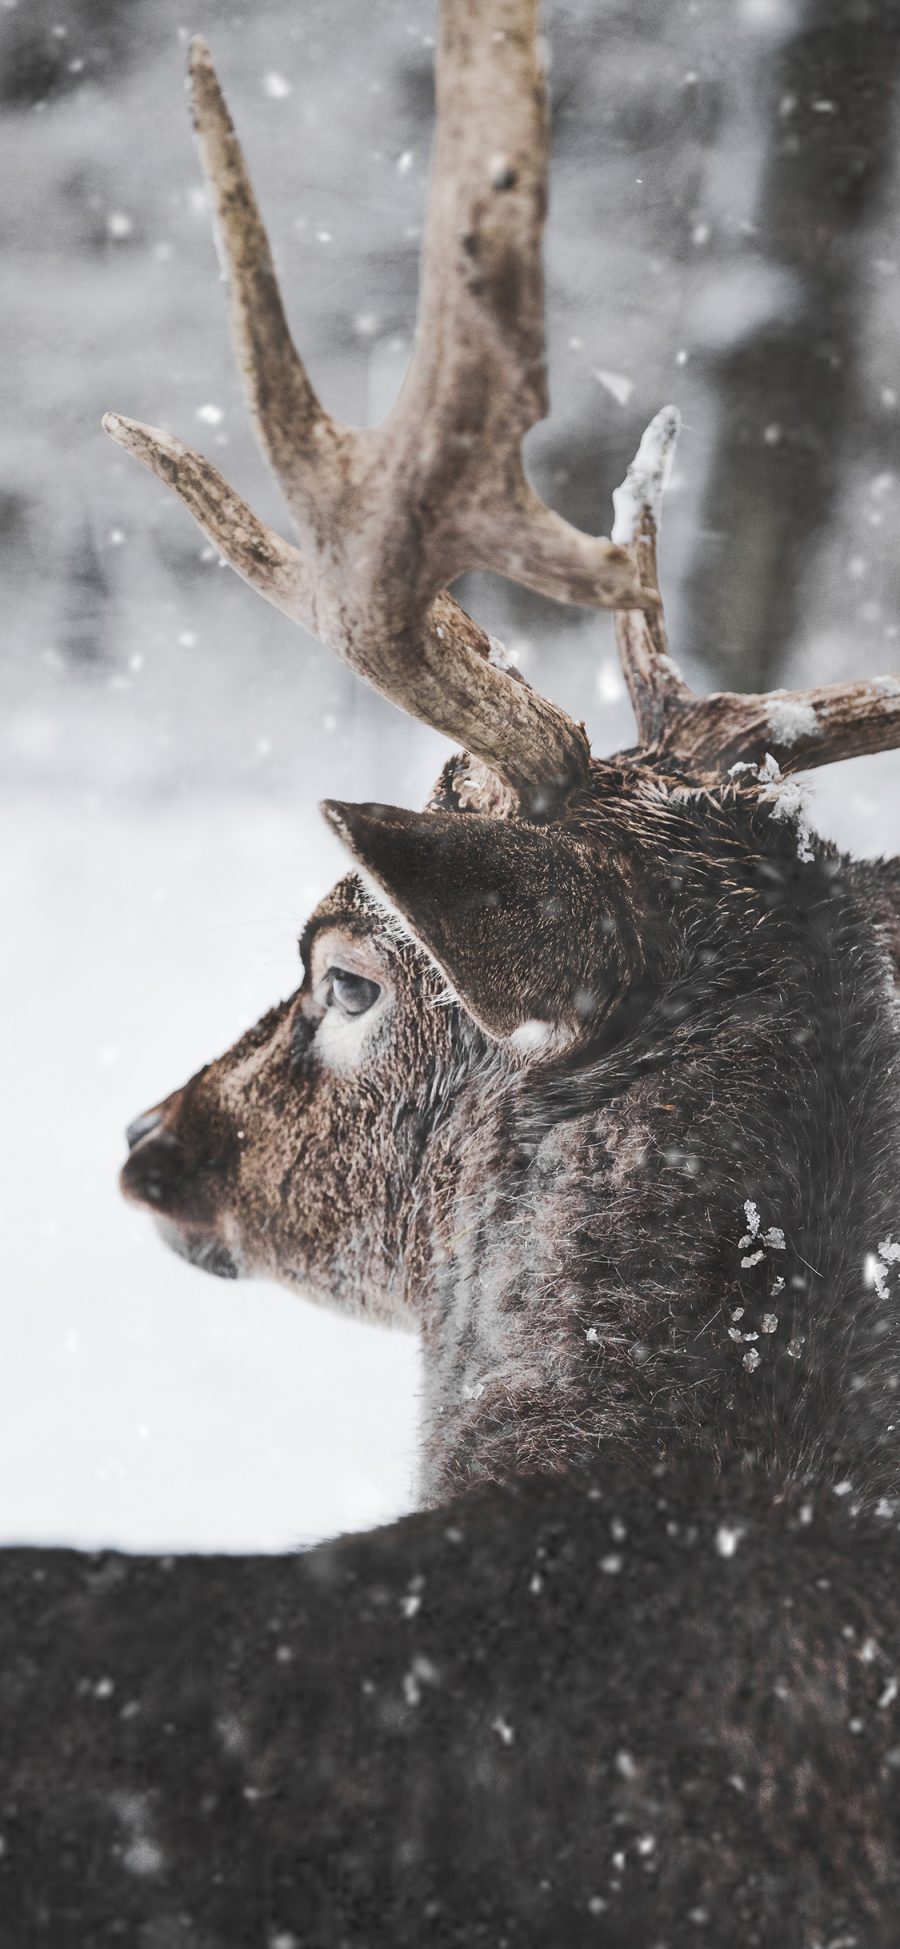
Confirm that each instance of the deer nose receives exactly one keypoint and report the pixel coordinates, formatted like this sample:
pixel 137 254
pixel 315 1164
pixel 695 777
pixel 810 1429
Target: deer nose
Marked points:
pixel 153 1173
pixel 142 1126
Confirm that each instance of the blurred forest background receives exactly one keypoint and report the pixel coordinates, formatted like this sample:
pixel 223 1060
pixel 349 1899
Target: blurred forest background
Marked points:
pixel 725 232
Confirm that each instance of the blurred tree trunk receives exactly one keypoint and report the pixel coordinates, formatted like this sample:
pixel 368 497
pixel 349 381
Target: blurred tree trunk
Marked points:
pixel 88 610
pixel 49 50
pixel 786 394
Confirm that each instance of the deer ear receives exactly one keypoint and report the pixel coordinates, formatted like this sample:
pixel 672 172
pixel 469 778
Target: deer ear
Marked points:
pixel 502 907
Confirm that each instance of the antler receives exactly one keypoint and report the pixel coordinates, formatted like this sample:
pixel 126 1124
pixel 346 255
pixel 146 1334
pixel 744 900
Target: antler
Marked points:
pixel 801 729
pixel 388 516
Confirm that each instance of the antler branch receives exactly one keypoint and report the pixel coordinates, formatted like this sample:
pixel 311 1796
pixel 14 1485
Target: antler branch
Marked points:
pixel 252 549
pixel 387 517
pixel 290 423
pixel 800 728
pixel 455 680
pixel 654 682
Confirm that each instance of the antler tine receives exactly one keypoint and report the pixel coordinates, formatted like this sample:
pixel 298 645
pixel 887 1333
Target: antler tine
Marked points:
pixel 477 379
pixel 256 553
pixel 292 427
pixel 654 683
pixel 800 729
pixel 477 373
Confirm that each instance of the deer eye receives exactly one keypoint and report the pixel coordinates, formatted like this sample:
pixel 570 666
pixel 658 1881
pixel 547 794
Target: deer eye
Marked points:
pixel 352 992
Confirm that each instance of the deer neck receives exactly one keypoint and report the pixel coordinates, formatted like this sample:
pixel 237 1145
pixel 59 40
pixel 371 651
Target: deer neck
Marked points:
pixel 591 1298
pixel 512 1350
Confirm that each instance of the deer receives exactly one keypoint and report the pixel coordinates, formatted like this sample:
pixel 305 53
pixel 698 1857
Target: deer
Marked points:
pixel 590 1080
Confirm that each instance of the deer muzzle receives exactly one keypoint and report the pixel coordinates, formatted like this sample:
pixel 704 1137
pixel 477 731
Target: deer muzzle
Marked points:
pixel 183 1188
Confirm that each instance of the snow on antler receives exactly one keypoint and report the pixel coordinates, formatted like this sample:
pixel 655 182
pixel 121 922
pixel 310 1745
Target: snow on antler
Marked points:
pixel 639 499
pixel 654 681
pixel 792 729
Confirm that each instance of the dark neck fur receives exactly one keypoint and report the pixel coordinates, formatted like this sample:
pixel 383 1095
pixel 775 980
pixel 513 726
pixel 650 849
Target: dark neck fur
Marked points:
pixel 588 1288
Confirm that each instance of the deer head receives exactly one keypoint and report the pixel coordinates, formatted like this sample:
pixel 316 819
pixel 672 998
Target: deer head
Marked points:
pixel 571 1033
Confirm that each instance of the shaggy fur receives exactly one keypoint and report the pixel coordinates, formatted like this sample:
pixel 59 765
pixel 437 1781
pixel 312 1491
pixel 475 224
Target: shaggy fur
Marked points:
pixel 541 1719
pixel 705 1053
pixel 635 1682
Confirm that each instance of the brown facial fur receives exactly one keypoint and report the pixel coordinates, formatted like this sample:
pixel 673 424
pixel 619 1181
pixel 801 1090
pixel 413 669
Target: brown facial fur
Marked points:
pixel 560 1215
pixel 312 1165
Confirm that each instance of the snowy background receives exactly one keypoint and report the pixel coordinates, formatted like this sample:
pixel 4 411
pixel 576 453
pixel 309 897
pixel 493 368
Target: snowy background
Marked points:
pixel 722 233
